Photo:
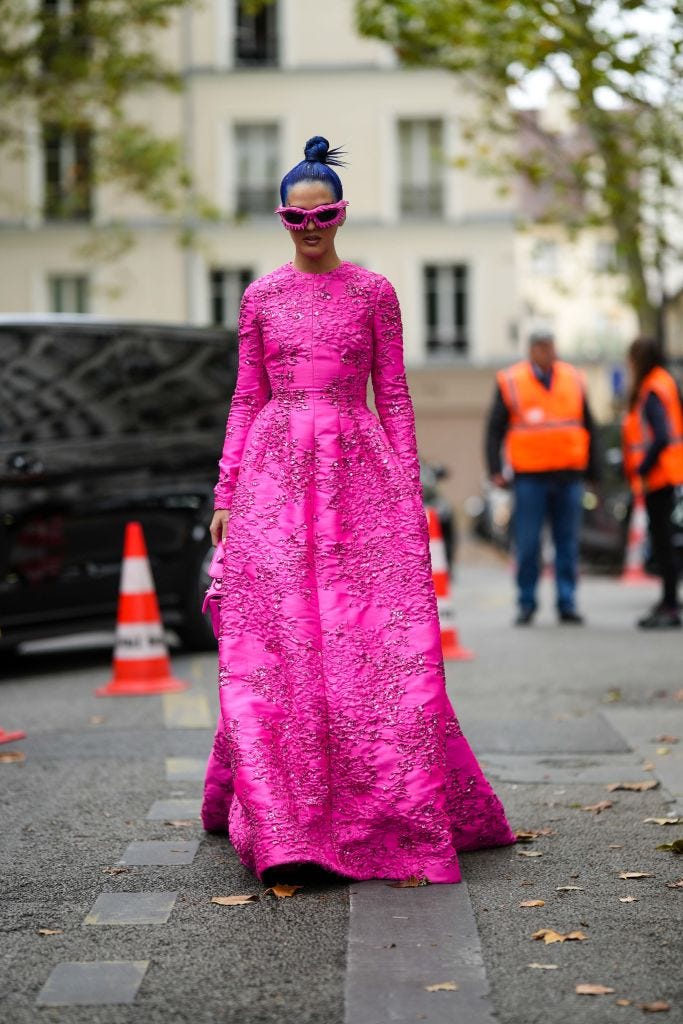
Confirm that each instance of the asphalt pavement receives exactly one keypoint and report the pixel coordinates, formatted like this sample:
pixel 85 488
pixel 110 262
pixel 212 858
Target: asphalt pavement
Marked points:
pixel 101 845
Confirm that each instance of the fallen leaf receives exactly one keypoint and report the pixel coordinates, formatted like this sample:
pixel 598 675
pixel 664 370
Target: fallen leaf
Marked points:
pixel 635 874
pixel 533 903
pixel 659 1006
pixel 569 888
pixel 528 835
pixel 612 695
pixel 234 901
pixel 629 899
pixel 666 738
pixel 12 755
pixel 678 695
pixel 544 967
pixel 675 885
pixel 549 935
pixel 116 870
pixel 180 824
pixel 675 847
pixel 96 720
pixel 615 846
pixel 593 990
pixel 281 891
pixel 529 853
pixel 622 1002
pixel 663 821
pixel 635 787
pixel 408 883
pixel 662 751
pixel 604 805
pixel 648 766
pixel 442 986
pixel 50 931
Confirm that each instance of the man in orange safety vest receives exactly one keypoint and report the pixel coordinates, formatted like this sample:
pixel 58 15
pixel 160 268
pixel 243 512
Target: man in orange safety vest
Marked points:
pixel 541 419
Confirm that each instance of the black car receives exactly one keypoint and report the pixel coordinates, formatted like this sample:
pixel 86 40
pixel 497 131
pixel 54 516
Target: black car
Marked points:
pixel 102 423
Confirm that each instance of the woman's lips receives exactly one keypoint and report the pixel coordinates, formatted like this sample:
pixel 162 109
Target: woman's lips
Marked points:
pixel 312 239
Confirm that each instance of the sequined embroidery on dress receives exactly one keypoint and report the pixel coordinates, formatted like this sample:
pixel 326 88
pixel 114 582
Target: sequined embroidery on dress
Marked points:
pixel 336 743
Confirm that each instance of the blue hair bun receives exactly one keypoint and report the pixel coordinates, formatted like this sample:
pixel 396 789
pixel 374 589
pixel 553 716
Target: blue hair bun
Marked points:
pixel 317 150
pixel 317 165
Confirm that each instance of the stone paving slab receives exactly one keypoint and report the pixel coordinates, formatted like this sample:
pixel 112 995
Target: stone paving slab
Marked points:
pixel 185 769
pixel 96 983
pixel 160 852
pixel 176 809
pixel 187 711
pixel 563 769
pixel 131 908
pixel 586 734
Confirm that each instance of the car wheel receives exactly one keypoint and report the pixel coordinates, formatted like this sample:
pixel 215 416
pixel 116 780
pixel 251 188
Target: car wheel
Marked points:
pixel 196 631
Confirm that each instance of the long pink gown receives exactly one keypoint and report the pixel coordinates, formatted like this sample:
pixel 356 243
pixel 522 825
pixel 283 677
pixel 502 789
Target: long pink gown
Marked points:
pixel 336 744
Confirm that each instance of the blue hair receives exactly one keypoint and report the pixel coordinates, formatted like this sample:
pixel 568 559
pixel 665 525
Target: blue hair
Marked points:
pixel 316 166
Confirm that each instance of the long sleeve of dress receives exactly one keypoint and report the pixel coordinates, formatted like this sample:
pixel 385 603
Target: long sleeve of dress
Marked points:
pixel 389 384
pixel 251 394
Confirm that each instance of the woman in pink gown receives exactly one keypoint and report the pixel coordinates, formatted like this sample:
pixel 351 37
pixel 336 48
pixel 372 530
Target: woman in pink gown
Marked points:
pixel 337 745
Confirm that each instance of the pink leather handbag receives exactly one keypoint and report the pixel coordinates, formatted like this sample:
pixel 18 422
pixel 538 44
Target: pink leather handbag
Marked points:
pixel 212 596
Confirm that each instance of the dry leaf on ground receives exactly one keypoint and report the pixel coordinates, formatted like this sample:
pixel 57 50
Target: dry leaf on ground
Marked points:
pixel 636 874
pixel 528 835
pixel 675 847
pixel 529 853
pixel 550 935
pixel 635 787
pixel 623 1002
pixel 234 901
pixel 533 903
pixel 116 870
pixel 659 1006
pixel 662 751
pixel 9 756
pixel 569 888
pixel 442 986
pixel 629 899
pixel 604 805
pixel 663 821
pixel 181 824
pixel 593 990
pixel 96 720
pixel 50 931
pixel 665 737
pixel 675 885
pixel 408 883
pixel 544 967
pixel 678 695
pixel 282 891
pixel 648 766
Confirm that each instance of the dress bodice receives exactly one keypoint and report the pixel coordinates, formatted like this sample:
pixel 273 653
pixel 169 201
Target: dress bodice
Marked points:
pixel 307 339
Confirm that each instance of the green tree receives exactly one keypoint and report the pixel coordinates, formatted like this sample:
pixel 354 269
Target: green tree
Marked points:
pixel 619 64
pixel 71 69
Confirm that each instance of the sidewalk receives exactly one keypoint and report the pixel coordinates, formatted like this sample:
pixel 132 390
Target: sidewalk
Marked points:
pixel 555 714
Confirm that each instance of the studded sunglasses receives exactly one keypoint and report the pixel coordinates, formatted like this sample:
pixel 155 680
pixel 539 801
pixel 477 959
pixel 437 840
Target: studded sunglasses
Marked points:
pixel 329 215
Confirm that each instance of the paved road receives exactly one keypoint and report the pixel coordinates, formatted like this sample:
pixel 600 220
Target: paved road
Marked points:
pixel 555 713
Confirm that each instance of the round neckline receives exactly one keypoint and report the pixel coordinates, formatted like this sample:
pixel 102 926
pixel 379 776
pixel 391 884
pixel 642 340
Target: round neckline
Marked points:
pixel 313 273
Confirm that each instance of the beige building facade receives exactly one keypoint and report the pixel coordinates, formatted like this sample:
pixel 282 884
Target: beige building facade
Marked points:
pixel 471 284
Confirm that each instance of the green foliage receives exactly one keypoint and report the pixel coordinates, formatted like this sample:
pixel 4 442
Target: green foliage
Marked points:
pixel 619 63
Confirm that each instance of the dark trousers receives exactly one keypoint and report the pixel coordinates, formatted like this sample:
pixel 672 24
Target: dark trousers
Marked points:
pixel 659 508
pixel 541 496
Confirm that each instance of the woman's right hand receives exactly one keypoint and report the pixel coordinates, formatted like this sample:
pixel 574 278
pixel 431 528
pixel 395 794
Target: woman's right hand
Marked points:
pixel 219 525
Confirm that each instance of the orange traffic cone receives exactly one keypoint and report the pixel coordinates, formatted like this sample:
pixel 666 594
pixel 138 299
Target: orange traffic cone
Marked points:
pixel 141 665
pixel 634 562
pixel 450 642
pixel 10 737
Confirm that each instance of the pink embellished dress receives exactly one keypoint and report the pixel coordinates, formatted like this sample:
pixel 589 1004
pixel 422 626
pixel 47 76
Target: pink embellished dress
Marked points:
pixel 336 743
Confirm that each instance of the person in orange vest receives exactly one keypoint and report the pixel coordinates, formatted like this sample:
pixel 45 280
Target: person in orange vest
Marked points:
pixel 653 462
pixel 541 417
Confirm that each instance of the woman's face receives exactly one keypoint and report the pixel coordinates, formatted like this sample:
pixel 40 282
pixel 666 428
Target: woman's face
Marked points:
pixel 312 242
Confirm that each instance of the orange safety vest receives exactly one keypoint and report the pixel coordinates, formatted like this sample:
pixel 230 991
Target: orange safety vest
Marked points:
pixel 546 429
pixel 637 435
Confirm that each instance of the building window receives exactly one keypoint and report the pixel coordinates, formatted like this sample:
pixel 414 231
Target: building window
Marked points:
pixel 67 170
pixel 447 309
pixel 226 289
pixel 69 294
pixel 420 161
pixel 256 146
pixel 256 41
pixel 545 258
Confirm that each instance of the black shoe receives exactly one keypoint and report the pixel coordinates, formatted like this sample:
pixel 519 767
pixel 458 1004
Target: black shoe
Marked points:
pixel 571 616
pixel 661 618
pixel 525 617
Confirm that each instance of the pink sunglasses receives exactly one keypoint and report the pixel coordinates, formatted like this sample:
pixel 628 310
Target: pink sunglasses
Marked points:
pixel 327 216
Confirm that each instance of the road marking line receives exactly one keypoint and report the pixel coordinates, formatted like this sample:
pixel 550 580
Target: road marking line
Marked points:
pixel 93 983
pixel 187 711
pixel 160 852
pixel 401 940
pixel 131 908
pixel 177 809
